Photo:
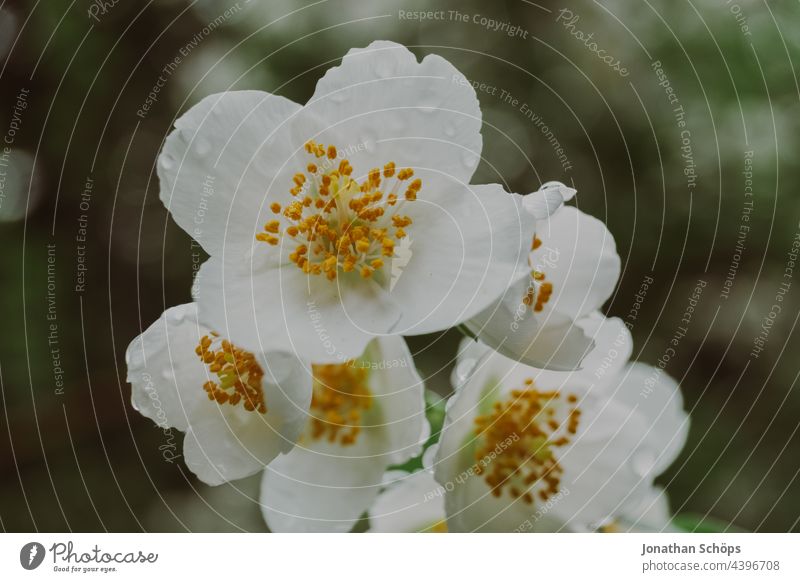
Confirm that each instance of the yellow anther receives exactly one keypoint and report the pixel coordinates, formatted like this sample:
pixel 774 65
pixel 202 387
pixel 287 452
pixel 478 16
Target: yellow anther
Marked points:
pixel 388 170
pixel 339 400
pixel 528 427
pixel 272 226
pixel 275 207
pixel 331 152
pixel 239 375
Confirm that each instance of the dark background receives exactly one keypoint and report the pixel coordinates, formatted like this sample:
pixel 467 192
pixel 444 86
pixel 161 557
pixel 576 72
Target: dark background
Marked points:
pixel 79 458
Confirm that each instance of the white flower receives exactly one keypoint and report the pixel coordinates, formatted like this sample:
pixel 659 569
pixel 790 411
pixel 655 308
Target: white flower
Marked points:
pixel 524 449
pixel 304 209
pixel 574 268
pixel 411 503
pixel 366 415
pixel 652 514
pixel 238 410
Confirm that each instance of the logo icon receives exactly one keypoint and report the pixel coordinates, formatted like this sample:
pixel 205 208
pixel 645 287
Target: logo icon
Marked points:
pixel 31 555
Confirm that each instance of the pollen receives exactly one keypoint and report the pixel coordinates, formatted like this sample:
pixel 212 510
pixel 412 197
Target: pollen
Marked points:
pixel 539 290
pixel 238 374
pixel 518 441
pixel 340 398
pixel 343 225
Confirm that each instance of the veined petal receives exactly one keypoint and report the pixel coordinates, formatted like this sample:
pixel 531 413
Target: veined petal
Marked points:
pixel 324 488
pixel 413 503
pixel 227 156
pixel 224 441
pixel 387 106
pixel 284 309
pixel 657 398
pixel 467 253
pixel 326 482
pixel 548 199
pixel 551 342
pixel 399 393
pixel 579 258
pixel 165 373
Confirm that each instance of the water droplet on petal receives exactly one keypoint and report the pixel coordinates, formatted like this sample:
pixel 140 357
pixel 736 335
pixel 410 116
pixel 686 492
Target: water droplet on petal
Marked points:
pixel 370 141
pixel 469 159
pixel 642 462
pixel 167 161
pixel 450 129
pixel 167 374
pixel 464 369
pixel 430 101
pixel 202 146
pixel 340 96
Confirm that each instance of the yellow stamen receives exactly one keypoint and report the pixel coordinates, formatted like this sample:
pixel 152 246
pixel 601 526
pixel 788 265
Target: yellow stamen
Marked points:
pixel 239 375
pixel 340 398
pixel 344 224
pixel 527 428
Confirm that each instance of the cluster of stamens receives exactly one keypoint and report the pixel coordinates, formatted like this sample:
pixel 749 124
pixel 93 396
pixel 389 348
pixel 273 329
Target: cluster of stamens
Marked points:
pixel 519 437
pixel 339 224
pixel 539 290
pixel 340 397
pixel 238 374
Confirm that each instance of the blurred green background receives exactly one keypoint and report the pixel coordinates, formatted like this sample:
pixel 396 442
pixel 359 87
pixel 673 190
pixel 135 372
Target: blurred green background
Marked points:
pixel 74 74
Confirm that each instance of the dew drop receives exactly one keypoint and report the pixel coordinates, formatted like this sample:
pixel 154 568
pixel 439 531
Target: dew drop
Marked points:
pixel 464 369
pixel 370 141
pixel 430 101
pixel 202 146
pixel 450 129
pixel 469 159
pixel 167 162
pixel 642 462
pixel 340 96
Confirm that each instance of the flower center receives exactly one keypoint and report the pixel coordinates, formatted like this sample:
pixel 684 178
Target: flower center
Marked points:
pixel 338 224
pixel 340 397
pixel 539 290
pixel 518 440
pixel 237 371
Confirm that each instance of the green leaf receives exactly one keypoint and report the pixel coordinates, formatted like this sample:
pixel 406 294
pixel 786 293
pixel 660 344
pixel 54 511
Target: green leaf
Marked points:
pixel 434 411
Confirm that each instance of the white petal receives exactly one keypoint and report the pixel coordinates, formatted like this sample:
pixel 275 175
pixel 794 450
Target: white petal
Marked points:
pixel 386 106
pixel 399 395
pixel 227 154
pixel 600 466
pixel 549 198
pixel 657 397
pixel 549 342
pixel 412 503
pixel 578 256
pixel 321 486
pixel 613 345
pixel 228 442
pixel 464 254
pixel 283 309
pixel 166 375
pixel 322 489
pixel 652 514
